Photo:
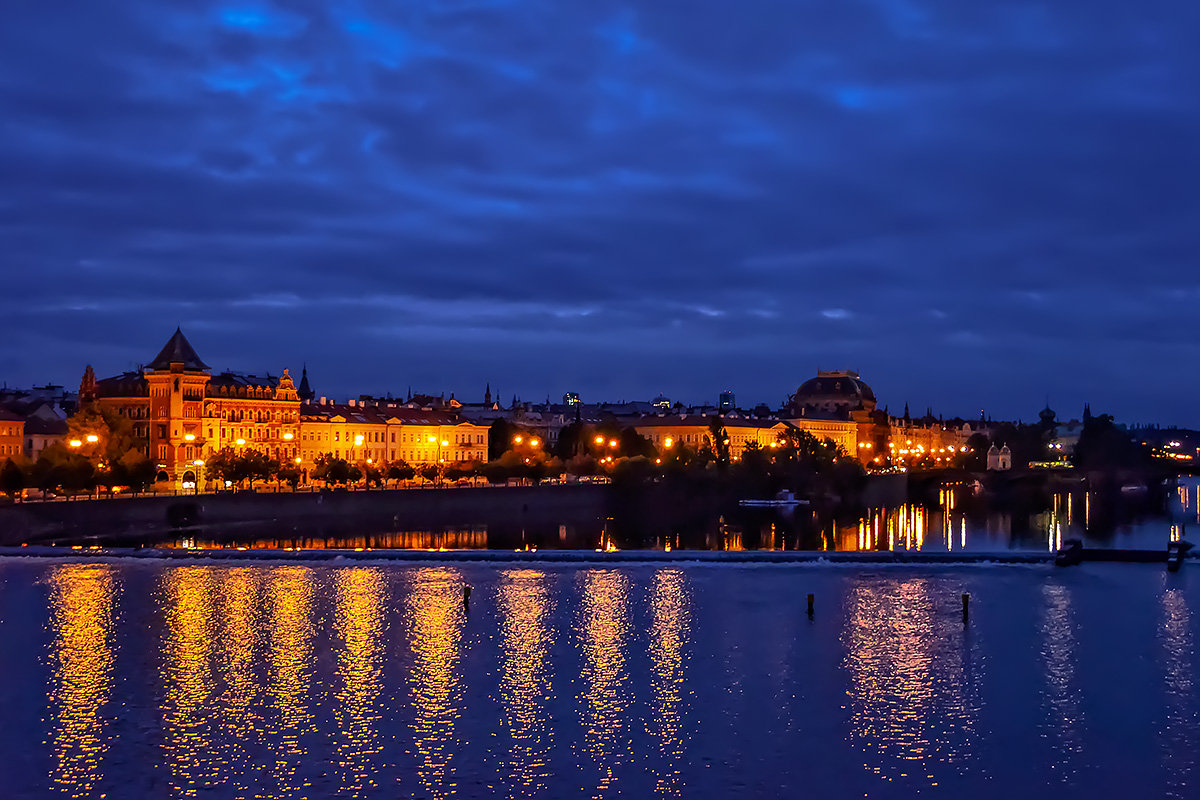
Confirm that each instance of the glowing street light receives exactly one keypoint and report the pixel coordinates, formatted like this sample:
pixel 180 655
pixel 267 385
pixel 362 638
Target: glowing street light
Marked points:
pixel 671 442
pixel 612 443
pixel 600 440
pixel 187 437
pixel 297 459
pixel 240 442
pixel 289 436
pixel 518 439
pixel 534 442
pixel 92 438
pixel 75 443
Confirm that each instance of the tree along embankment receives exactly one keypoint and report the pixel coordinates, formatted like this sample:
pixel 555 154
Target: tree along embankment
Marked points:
pixel 153 518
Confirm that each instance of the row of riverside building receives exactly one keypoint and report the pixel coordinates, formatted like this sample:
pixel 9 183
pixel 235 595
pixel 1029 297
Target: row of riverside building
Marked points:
pixel 182 412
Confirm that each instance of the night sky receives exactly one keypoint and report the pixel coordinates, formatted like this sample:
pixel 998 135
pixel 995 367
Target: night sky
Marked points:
pixel 975 204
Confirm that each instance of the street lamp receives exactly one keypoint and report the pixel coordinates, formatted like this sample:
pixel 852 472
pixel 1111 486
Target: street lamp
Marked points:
pixel 92 438
pixel 75 443
pixel 240 442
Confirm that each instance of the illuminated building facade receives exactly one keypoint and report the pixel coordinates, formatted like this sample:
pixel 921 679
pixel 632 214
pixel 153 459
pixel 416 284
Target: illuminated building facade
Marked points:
pixel 376 434
pixel 12 435
pixel 693 431
pixel 182 413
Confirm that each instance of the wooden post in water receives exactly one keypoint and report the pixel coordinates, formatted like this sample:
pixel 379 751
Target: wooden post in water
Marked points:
pixel 466 597
pixel 810 605
pixel 966 607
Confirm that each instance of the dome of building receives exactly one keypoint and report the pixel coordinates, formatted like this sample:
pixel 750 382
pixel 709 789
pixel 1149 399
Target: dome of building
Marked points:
pixel 833 393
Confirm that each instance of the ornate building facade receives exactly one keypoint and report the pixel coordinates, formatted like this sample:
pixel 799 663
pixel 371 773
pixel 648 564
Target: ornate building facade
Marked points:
pixel 181 414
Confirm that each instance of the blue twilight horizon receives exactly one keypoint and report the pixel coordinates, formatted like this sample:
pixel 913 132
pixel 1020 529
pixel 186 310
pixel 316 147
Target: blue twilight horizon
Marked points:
pixel 975 205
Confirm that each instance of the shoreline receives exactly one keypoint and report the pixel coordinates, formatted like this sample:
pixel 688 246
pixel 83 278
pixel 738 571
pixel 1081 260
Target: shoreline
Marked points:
pixel 530 557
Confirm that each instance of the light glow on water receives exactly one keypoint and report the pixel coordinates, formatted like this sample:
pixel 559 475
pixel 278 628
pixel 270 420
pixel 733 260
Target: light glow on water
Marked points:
pixel 289 600
pixel 524 602
pixel 82 598
pixel 190 639
pixel 911 684
pixel 435 616
pixel 358 619
pixel 670 608
pixel 135 678
pixel 604 698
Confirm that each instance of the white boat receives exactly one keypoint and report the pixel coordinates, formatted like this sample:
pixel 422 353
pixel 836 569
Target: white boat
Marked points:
pixel 785 499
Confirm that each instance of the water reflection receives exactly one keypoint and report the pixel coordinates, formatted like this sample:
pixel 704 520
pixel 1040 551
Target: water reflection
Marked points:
pixel 188 681
pixel 604 630
pixel 82 599
pixel 358 619
pixel 238 590
pixel 1062 695
pixel 434 616
pixel 526 636
pixel 670 608
pixel 1181 728
pixel 912 688
pixel 289 600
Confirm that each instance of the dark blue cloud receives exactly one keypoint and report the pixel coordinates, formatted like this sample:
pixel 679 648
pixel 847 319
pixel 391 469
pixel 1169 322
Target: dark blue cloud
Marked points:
pixel 976 205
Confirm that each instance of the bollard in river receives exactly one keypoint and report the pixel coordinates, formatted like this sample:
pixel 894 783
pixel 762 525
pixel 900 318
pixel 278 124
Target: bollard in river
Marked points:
pixel 466 596
pixel 810 606
pixel 966 607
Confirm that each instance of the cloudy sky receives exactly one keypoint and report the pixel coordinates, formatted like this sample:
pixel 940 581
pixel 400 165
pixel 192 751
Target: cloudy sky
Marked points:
pixel 975 204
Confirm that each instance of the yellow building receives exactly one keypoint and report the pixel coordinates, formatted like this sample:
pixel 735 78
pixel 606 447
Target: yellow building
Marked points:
pixel 379 434
pixel 12 435
pixel 693 431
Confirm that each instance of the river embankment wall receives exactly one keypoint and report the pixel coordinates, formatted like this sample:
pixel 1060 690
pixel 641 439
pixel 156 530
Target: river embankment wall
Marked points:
pixel 153 517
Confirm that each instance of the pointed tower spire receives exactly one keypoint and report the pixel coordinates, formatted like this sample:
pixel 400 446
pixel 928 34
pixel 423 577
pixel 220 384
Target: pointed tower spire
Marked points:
pixel 305 391
pixel 487 394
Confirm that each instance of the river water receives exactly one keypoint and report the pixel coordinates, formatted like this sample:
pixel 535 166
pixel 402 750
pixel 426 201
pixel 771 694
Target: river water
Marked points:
pixel 953 519
pixel 156 678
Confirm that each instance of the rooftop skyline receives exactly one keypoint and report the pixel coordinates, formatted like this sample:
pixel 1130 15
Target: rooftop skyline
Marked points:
pixel 973 207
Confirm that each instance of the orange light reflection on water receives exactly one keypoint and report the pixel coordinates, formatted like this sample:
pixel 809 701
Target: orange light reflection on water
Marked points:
pixel 360 597
pixel 82 597
pixel 526 636
pixel 188 681
pixel 604 626
pixel 670 607
pixel 911 703
pixel 435 616
pixel 289 593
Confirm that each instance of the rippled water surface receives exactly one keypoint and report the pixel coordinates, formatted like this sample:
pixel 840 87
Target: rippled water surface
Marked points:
pixel 158 679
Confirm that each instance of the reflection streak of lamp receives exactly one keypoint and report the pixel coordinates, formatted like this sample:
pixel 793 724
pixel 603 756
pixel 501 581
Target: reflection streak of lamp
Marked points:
pixel 604 626
pixel 290 592
pixel 360 597
pixel 1180 728
pixel 670 607
pixel 188 681
pixel 1061 694
pixel 912 702
pixel 435 618
pixel 525 680
pixel 239 596
pixel 82 598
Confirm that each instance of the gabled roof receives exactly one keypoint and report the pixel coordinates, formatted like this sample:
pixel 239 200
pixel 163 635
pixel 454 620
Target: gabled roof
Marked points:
pixel 177 350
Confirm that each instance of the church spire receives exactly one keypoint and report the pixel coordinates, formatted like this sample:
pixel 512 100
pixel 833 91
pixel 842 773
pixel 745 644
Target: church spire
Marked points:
pixel 304 391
